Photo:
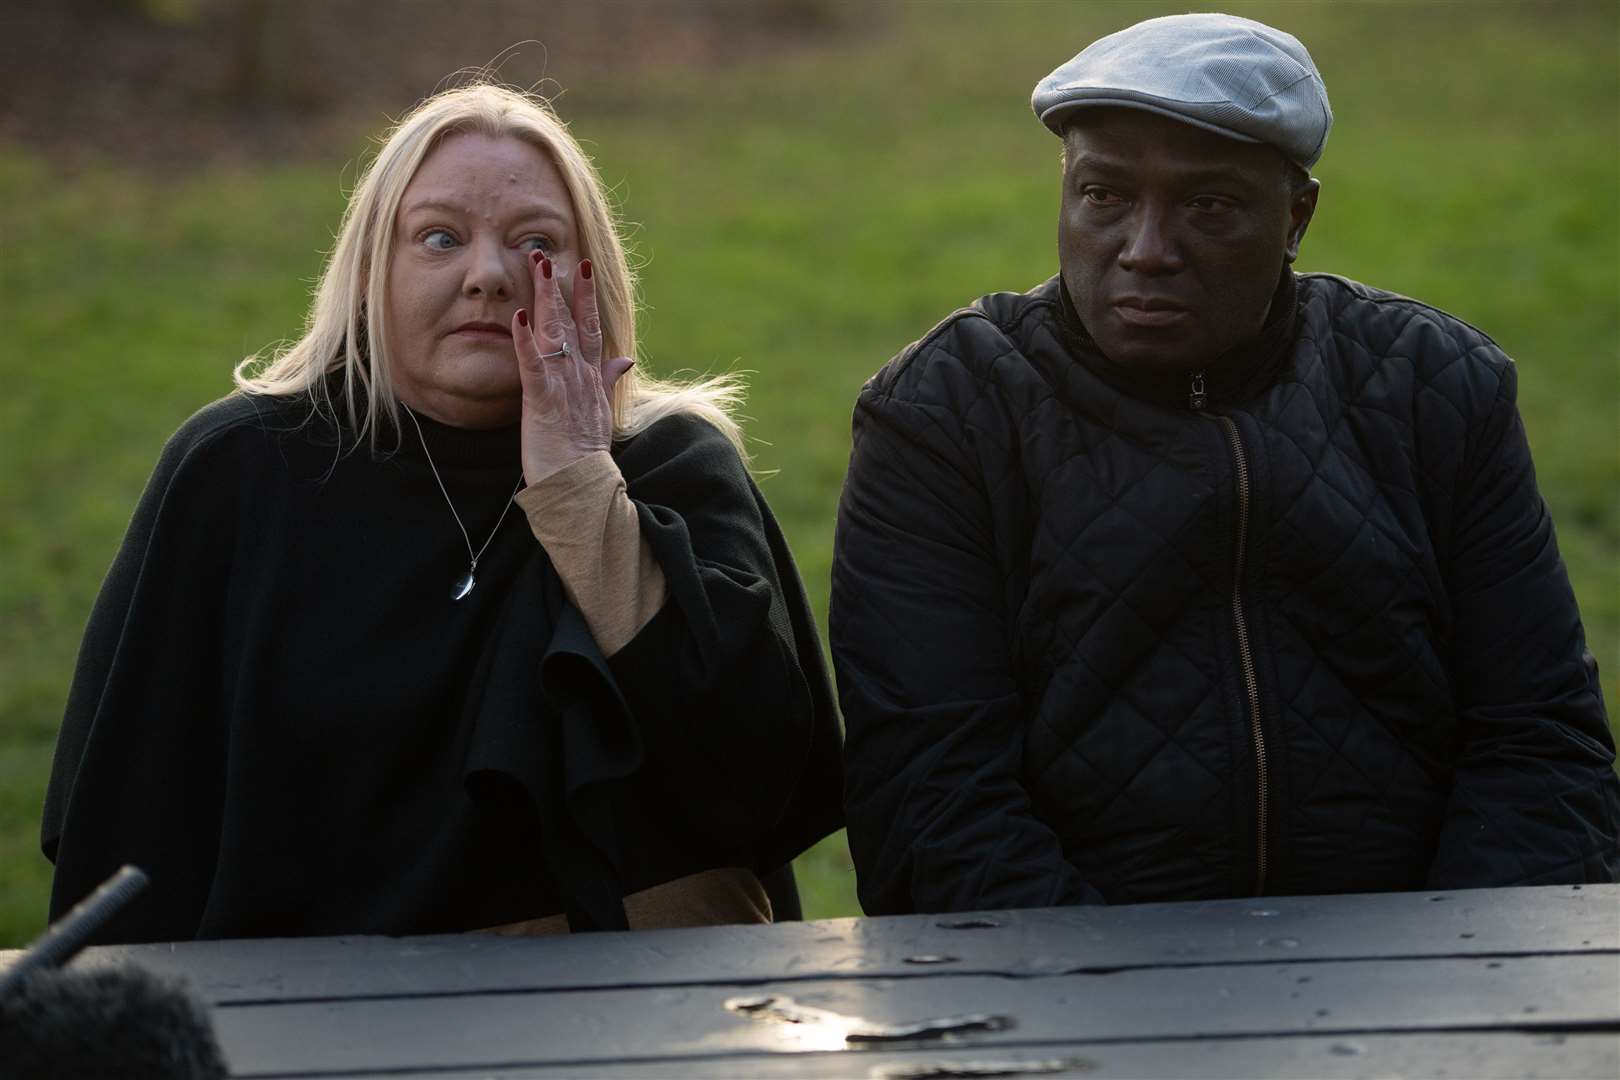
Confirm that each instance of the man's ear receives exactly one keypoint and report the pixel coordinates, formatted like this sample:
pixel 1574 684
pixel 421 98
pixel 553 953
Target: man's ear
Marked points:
pixel 1301 208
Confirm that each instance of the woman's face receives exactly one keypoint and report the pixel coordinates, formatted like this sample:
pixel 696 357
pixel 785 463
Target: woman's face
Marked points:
pixel 463 232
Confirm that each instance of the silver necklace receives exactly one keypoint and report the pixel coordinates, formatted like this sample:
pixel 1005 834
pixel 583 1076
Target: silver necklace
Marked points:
pixel 464 584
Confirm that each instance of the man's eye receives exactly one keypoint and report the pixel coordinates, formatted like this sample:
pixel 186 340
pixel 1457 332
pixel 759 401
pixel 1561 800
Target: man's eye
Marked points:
pixel 439 239
pixel 536 243
pixel 1210 203
pixel 1099 196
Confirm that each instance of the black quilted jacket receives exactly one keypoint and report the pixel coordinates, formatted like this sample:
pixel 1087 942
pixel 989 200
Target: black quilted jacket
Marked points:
pixel 1094 644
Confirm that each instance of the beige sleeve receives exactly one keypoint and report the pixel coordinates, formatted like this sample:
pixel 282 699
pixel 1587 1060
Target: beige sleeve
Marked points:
pixel 724 897
pixel 584 519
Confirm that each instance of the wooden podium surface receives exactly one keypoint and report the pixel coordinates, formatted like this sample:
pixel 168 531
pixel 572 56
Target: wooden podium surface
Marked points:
pixel 1493 982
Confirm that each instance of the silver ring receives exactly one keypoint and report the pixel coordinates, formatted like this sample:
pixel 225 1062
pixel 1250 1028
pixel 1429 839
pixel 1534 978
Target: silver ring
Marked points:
pixel 564 351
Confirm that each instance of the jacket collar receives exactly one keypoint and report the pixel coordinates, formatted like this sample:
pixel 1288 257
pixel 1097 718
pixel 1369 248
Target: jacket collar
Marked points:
pixel 1237 375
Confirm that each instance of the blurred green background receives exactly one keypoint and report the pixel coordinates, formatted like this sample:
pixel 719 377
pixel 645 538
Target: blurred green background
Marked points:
pixel 813 184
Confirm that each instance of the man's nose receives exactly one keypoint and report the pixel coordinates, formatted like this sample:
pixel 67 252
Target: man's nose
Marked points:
pixel 1150 245
pixel 489 271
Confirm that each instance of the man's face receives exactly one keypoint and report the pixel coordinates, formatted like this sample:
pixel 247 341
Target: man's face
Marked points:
pixel 1171 238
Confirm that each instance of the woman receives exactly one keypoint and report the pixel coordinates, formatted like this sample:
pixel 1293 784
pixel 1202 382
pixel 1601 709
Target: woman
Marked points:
pixel 333 684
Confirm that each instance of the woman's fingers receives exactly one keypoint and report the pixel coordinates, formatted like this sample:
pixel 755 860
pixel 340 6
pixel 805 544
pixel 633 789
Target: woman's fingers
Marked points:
pixel 566 410
pixel 531 368
pixel 587 322
pixel 552 324
pixel 612 368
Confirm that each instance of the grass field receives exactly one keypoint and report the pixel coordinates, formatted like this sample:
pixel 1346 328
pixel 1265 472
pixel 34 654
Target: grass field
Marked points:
pixel 802 218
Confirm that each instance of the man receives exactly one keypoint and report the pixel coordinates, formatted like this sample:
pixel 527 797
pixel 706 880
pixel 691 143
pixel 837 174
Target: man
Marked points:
pixel 1185 576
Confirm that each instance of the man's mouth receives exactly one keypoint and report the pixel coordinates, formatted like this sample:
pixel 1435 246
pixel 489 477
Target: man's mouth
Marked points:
pixel 1149 310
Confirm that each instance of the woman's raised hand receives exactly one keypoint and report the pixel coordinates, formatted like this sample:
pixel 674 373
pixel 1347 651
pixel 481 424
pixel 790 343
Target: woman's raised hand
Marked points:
pixel 567 409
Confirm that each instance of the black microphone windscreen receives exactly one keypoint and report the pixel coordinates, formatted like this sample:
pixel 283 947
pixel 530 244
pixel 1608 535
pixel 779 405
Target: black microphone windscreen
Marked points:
pixel 111 1023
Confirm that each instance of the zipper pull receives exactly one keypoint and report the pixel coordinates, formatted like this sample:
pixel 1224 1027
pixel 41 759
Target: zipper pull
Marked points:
pixel 1196 399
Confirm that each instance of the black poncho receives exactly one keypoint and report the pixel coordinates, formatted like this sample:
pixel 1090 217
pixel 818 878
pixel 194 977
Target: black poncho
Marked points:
pixel 282 716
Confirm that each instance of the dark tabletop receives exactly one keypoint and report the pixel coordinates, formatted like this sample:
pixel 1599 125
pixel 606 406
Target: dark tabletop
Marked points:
pixel 1496 982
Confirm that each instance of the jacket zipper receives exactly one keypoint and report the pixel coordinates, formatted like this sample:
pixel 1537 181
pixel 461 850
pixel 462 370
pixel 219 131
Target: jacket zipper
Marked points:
pixel 1197 399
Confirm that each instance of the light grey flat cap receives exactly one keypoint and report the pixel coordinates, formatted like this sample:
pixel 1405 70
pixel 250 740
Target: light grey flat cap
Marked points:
pixel 1233 76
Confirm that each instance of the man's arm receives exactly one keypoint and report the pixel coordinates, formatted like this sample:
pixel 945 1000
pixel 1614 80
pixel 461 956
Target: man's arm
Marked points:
pixel 1536 799
pixel 938 819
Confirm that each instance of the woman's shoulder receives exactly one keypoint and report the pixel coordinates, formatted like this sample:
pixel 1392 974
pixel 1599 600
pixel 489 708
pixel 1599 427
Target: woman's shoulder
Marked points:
pixel 682 436
pixel 237 426
pixel 238 411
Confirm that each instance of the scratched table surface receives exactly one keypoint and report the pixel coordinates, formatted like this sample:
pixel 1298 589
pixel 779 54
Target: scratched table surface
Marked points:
pixel 1484 983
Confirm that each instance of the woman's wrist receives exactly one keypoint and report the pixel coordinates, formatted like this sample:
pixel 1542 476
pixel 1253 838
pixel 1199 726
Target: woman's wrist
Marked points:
pixel 583 517
pixel 559 476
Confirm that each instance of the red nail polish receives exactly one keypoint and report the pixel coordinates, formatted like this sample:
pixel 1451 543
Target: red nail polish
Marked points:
pixel 523 317
pixel 545 268
pixel 585 269
pixel 535 257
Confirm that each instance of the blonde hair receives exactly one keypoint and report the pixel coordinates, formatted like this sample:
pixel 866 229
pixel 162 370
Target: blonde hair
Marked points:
pixel 339 336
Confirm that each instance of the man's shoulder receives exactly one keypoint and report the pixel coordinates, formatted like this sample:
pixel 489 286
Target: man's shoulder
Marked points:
pixel 1381 323
pixel 972 344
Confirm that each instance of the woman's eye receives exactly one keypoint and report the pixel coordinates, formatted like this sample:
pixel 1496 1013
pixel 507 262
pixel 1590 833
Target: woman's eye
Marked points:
pixel 439 239
pixel 536 243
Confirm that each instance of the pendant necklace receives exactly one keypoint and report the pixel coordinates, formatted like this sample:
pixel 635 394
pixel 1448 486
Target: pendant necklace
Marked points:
pixel 464 584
